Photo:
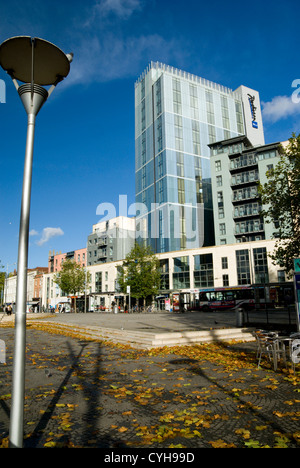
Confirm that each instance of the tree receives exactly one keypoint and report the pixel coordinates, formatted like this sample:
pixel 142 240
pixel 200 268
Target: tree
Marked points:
pixel 72 279
pixel 140 271
pixel 281 197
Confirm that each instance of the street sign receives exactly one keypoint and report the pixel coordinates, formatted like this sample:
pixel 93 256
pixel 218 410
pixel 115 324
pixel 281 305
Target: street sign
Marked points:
pixel 297 265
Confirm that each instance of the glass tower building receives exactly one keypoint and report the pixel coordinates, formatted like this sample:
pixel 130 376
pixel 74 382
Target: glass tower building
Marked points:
pixel 177 115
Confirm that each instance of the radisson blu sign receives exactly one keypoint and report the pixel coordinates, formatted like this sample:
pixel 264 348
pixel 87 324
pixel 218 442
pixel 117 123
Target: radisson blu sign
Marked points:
pixel 253 110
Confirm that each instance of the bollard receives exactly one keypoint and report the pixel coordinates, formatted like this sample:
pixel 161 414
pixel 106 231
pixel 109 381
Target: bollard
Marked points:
pixel 239 317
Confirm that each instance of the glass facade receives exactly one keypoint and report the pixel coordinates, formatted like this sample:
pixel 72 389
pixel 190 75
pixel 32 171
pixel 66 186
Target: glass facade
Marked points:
pixel 176 116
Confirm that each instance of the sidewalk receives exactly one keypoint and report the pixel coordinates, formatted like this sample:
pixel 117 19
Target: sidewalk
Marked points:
pixel 85 393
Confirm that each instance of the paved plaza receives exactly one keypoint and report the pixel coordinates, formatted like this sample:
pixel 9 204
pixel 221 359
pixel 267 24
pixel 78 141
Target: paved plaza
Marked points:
pixel 92 393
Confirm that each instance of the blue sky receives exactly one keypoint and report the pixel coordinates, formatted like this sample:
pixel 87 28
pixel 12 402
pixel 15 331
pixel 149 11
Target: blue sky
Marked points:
pixel 84 141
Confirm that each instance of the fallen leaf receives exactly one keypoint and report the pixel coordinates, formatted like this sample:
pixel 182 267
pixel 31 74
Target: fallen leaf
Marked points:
pixel 123 429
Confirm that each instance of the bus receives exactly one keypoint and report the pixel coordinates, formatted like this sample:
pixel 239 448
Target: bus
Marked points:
pixel 245 297
pixel 223 298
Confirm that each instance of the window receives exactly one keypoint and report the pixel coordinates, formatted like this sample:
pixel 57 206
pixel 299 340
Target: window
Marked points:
pixel 281 276
pixel 260 265
pixel 218 166
pixel 211 133
pixel 210 108
pixel 159 134
pixel 98 282
pixel 181 275
pixel 164 274
pixel 225 113
pixel 225 280
pixel 178 133
pixel 203 272
pixel 239 117
pixel 222 229
pixel 176 96
pixel 180 164
pixel 196 137
pixel 221 212
pixel 194 102
pixel 181 194
pixel 224 261
pixel 219 181
pixel 220 198
pixel 160 165
pixel 220 205
pixel 181 264
pixel 243 267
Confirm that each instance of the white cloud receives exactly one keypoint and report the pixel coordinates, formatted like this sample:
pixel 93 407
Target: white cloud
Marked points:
pixel 104 51
pixel 48 233
pixel 280 107
pixel 103 59
pixel 121 8
pixel 33 232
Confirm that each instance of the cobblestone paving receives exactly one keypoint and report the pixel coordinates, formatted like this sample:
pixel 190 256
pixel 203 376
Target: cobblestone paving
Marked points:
pixel 92 394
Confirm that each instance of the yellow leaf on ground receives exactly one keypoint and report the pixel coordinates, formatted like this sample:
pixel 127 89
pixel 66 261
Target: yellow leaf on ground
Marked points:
pixel 122 429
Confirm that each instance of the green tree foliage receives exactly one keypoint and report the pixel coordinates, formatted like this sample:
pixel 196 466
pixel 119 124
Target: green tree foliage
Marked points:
pixel 281 197
pixel 140 271
pixel 72 278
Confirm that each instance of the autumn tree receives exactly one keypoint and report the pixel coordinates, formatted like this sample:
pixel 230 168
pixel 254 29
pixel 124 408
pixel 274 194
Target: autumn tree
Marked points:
pixel 72 279
pixel 280 196
pixel 140 271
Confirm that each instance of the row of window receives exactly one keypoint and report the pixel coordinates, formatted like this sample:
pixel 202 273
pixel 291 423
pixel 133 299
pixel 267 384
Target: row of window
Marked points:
pixel 252 267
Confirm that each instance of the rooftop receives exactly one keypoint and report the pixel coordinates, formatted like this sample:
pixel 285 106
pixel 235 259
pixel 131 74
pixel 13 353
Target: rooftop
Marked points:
pixel 183 74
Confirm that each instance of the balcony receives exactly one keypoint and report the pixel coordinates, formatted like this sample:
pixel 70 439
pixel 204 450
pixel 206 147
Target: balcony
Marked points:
pixel 249 227
pixel 244 178
pixel 244 194
pixel 247 211
pixel 102 241
pixel 245 160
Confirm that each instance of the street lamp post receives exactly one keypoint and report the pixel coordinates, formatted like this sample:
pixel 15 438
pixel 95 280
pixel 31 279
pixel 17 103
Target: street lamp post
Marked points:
pixel 36 63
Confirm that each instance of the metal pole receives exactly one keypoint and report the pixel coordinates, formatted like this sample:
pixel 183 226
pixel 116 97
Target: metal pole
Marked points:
pixel 18 378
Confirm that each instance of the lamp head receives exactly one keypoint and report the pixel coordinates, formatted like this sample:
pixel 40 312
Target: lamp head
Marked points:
pixel 34 60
